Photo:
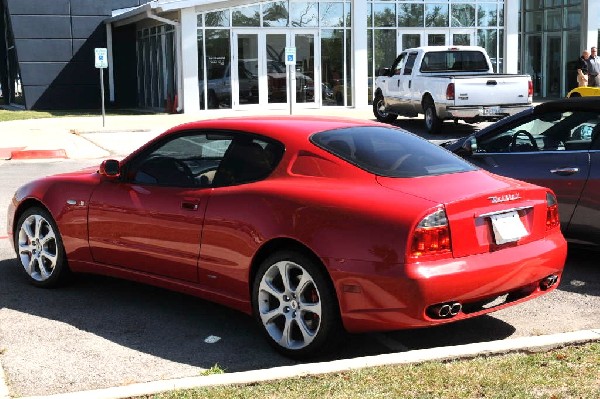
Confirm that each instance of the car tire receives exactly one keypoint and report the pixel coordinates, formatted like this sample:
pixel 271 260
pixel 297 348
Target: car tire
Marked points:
pixel 295 305
pixel 379 111
pixel 432 122
pixel 39 249
pixel 574 95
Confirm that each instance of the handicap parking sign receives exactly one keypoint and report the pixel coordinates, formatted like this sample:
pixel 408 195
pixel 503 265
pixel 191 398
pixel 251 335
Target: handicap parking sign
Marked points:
pixel 290 56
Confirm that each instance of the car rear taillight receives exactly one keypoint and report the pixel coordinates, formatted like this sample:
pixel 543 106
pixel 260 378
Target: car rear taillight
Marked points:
pixel 431 236
pixel 552 218
pixel 530 89
pixel 450 92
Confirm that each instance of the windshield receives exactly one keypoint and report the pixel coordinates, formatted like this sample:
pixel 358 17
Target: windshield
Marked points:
pixel 389 152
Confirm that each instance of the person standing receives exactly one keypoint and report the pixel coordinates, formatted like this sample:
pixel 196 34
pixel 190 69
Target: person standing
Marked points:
pixel 582 73
pixel 593 67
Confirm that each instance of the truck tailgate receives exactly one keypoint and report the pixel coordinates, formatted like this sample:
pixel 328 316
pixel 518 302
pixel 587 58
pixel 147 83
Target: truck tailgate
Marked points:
pixel 491 90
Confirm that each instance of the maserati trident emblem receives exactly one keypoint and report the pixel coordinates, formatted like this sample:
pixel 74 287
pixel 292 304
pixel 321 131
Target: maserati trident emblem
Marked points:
pixel 504 198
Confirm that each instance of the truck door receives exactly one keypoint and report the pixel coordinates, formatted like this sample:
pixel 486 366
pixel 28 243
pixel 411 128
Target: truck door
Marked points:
pixel 405 87
pixel 393 83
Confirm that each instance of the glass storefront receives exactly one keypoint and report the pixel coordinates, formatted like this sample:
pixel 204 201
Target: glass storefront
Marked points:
pixel 396 25
pixel 320 33
pixel 552 44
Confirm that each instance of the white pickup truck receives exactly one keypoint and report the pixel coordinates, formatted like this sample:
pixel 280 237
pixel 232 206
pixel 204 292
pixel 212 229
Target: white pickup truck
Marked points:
pixel 448 83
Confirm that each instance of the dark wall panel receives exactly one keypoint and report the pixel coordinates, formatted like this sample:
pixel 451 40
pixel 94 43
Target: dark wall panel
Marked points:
pixel 39 7
pixel 124 54
pixel 41 26
pixel 58 72
pixel 44 50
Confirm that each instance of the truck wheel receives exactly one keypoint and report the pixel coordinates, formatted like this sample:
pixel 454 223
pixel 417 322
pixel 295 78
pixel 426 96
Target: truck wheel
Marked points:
pixel 432 122
pixel 380 113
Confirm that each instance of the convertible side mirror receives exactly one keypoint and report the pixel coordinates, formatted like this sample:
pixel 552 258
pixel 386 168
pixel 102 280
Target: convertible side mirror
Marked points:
pixel 469 146
pixel 110 168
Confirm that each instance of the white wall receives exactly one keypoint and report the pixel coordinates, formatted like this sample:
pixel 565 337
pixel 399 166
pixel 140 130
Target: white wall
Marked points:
pixel 189 62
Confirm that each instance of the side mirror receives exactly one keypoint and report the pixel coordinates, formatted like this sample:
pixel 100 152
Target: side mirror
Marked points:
pixel 110 168
pixel 384 71
pixel 469 146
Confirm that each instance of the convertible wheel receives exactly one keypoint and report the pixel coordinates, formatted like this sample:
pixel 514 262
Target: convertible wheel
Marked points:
pixel 295 306
pixel 40 249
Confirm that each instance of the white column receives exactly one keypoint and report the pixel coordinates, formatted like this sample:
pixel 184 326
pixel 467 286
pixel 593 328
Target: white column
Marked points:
pixel 188 59
pixel 593 23
pixel 511 37
pixel 360 80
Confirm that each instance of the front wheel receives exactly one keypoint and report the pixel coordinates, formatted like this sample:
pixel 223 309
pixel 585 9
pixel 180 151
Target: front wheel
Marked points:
pixel 295 306
pixel 39 248
pixel 379 111
pixel 432 122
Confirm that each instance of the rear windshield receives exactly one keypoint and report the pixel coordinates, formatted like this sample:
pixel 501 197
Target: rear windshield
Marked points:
pixel 389 152
pixel 454 61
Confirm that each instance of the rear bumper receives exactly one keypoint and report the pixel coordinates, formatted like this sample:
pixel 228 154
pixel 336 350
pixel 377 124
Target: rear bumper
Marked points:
pixel 393 297
pixel 481 112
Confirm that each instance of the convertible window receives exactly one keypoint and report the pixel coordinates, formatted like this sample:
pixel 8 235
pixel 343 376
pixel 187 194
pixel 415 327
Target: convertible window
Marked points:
pixel 553 131
pixel 389 152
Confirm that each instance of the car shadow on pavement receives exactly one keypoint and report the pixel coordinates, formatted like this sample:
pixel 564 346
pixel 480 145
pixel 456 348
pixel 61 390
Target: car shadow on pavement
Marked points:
pixel 174 326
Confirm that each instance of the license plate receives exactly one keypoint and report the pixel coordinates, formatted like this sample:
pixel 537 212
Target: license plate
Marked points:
pixel 508 227
pixel 491 111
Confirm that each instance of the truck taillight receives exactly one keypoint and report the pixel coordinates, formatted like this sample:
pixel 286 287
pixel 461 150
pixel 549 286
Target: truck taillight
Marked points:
pixel 450 92
pixel 552 218
pixel 431 236
pixel 530 89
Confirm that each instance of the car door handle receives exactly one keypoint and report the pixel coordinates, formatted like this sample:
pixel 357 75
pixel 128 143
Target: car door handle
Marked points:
pixel 189 206
pixel 565 171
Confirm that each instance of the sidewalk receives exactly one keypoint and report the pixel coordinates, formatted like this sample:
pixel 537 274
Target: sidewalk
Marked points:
pixel 86 138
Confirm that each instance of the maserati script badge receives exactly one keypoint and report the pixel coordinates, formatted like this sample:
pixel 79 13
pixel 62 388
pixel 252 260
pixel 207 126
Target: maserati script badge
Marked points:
pixel 504 198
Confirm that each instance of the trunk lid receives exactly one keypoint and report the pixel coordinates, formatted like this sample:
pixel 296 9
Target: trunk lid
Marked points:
pixel 485 212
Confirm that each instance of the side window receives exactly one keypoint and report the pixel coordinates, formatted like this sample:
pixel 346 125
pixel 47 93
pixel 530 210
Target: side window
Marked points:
pixel 247 160
pixel 399 64
pixel 189 160
pixel 410 62
pixel 553 131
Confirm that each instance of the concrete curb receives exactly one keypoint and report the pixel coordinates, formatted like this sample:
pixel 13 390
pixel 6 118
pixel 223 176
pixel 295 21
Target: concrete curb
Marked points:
pixel 38 154
pixel 523 344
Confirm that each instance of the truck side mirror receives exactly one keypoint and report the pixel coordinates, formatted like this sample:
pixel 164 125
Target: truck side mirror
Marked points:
pixel 385 71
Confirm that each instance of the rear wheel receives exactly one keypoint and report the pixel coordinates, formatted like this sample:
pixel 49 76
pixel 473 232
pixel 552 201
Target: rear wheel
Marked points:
pixel 40 249
pixel 295 306
pixel 379 111
pixel 432 122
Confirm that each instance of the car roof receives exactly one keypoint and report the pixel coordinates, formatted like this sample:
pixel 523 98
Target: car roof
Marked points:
pixel 279 127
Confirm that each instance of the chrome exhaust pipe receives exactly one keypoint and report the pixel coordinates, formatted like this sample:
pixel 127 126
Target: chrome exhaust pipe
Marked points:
pixel 455 308
pixel 444 310
pixel 548 282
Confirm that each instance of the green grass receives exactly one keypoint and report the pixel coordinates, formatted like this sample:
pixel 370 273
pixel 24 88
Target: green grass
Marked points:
pixel 10 115
pixel 571 372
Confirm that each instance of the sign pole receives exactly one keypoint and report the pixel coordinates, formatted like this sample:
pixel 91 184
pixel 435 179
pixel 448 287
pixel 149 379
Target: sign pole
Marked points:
pixel 290 62
pixel 102 94
pixel 101 62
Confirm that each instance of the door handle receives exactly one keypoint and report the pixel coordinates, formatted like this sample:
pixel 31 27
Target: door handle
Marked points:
pixel 189 206
pixel 565 171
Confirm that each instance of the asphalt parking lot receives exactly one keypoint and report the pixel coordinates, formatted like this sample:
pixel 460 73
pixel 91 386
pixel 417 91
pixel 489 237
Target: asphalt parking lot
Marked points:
pixel 100 332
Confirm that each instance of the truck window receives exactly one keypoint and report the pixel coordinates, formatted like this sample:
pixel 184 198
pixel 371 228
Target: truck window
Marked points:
pixel 410 63
pixel 454 61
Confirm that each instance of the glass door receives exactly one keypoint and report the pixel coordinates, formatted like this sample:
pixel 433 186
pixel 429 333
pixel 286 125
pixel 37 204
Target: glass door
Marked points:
pixel 305 76
pixel 533 61
pixel 437 37
pixel 276 70
pixel 245 70
pixel 553 65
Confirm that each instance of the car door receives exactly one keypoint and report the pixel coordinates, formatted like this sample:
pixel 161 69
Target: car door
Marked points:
pixel 151 218
pixel 585 222
pixel 549 149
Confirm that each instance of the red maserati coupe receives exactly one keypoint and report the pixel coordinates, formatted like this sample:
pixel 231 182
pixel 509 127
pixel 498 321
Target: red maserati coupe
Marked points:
pixel 313 225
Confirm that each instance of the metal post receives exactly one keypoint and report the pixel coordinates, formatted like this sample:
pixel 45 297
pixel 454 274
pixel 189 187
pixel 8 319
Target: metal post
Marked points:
pixel 290 87
pixel 102 93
